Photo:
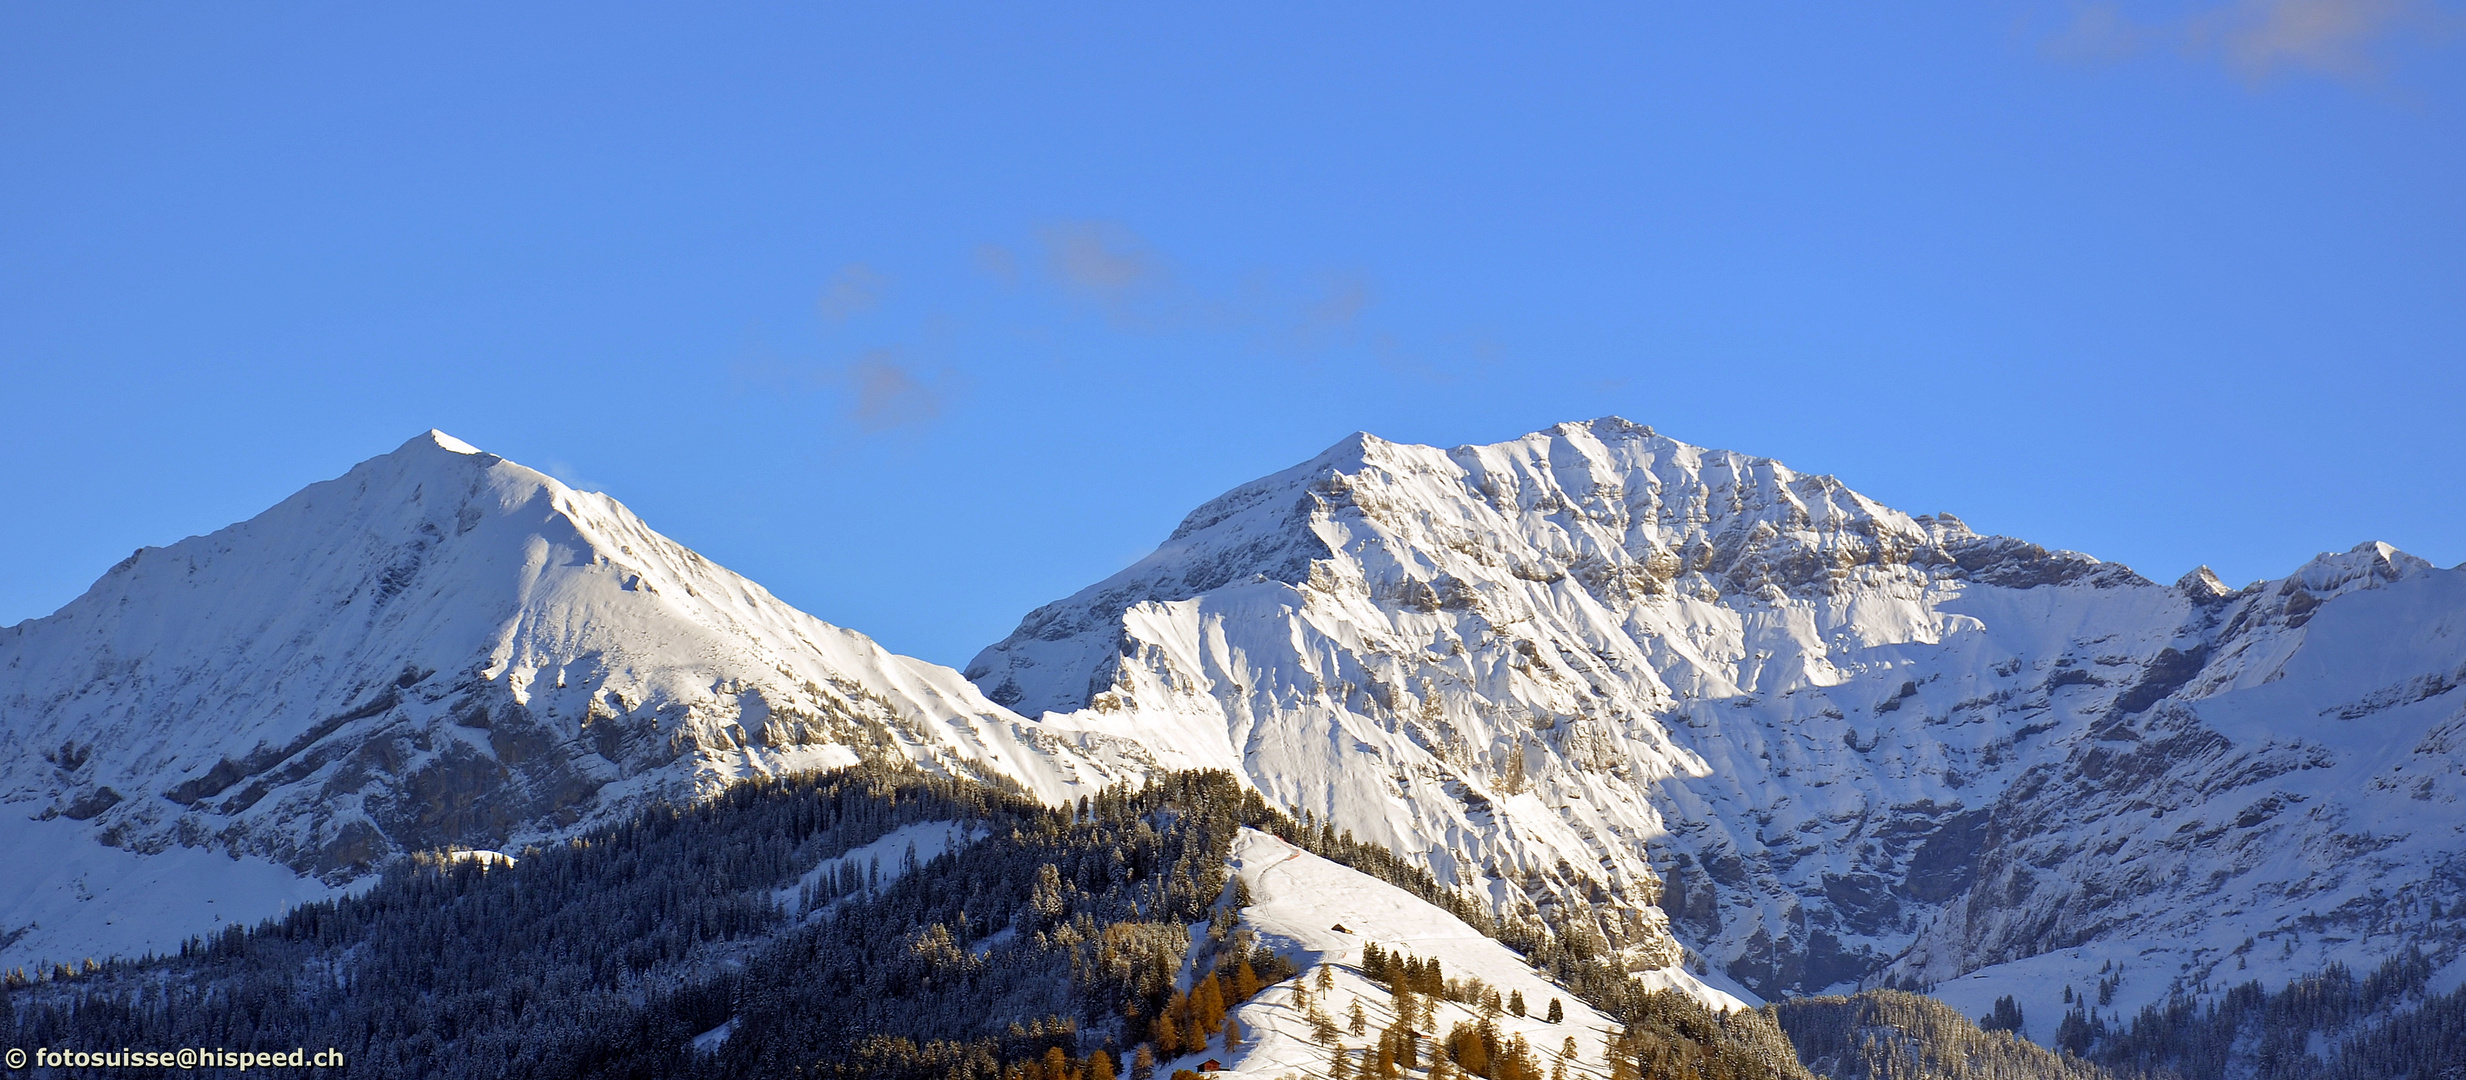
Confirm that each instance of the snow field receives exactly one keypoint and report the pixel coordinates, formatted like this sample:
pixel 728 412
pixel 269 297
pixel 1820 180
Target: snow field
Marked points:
pixel 1449 652
pixel 1596 643
pixel 882 862
pixel 1296 899
pixel 67 898
pixel 433 619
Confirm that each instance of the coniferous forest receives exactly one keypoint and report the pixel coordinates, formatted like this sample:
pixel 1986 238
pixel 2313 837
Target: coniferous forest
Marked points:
pixel 2333 1026
pixel 731 938
pixel 745 936
pixel 607 955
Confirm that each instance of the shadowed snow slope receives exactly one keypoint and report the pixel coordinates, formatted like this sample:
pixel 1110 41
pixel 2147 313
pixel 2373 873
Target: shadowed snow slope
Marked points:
pixel 1824 742
pixel 1704 703
pixel 440 649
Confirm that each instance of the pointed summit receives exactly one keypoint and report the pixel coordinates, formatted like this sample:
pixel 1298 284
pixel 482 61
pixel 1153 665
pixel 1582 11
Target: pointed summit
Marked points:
pixel 1614 426
pixel 2203 586
pixel 2366 565
pixel 442 441
pixel 439 649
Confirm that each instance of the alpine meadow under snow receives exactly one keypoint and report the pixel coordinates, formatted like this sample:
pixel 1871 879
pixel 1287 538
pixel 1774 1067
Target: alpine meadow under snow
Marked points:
pixel 1743 731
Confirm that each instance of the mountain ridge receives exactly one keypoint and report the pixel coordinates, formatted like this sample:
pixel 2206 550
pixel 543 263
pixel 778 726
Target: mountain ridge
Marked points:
pixel 1720 715
pixel 1780 714
pixel 443 649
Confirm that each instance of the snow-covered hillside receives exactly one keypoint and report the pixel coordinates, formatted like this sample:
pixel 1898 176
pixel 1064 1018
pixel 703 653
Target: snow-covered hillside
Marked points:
pixel 1600 669
pixel 1298 900
pixel 440 649
pixel 1745 722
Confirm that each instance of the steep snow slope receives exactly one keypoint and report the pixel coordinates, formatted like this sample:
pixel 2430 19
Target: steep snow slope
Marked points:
pixel 441 649
pixel 1602 669
pixel 2296 802
pixel 68 898
pixel 1297 900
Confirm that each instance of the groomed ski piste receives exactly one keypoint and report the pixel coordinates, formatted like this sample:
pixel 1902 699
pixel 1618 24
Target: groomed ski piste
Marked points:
pixel 1297 900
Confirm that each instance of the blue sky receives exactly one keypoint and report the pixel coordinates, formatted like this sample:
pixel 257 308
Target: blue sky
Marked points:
pixel 923 315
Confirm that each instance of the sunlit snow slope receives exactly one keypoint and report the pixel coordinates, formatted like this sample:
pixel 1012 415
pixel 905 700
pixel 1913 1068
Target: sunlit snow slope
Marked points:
pixel 1298 900
pixel 1600 669
pixel 440 649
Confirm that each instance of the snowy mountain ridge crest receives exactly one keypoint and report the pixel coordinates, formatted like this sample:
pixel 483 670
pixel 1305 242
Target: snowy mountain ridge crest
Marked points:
pixel 1731 705
pixel 1720 714
pixel 439 649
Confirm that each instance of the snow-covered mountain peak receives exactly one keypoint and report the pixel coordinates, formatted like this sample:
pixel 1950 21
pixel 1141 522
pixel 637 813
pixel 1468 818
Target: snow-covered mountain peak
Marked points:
pixel 442 441
pixel 1480 652
pixel 2364 566
pixel 2202 585
pixel 1725 714
pixel 1694 691
pixel 442 648
pixel 1624 513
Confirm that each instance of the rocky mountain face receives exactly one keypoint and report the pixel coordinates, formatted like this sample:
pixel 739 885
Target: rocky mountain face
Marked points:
pixel 1726 715
pixel 2277 790
pixel 1821 742
pixel 444 649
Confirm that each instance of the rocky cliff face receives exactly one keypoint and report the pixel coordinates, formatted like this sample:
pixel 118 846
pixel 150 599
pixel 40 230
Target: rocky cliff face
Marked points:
pixel 2277 790
pixel 1822 742
pixel 1735 717
pixel 443 649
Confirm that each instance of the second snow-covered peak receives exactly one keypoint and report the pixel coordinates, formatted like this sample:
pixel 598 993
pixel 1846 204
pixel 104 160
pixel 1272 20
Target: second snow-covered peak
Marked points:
pixel 2363 566
pixel 1627 514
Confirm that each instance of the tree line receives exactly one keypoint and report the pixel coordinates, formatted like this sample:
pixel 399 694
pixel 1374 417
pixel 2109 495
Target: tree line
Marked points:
pixel 1054 946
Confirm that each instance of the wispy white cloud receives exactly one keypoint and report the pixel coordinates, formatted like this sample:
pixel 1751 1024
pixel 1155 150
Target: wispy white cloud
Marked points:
pixel 2100 33
pixel 998 262
pixel 855 289
pixel 883 393
pixel 2258 39
pixel 1105 263
pixel 880 390
pixel 1341 307
pixel 572 478
pixel 1110 268
pixel 1058 273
